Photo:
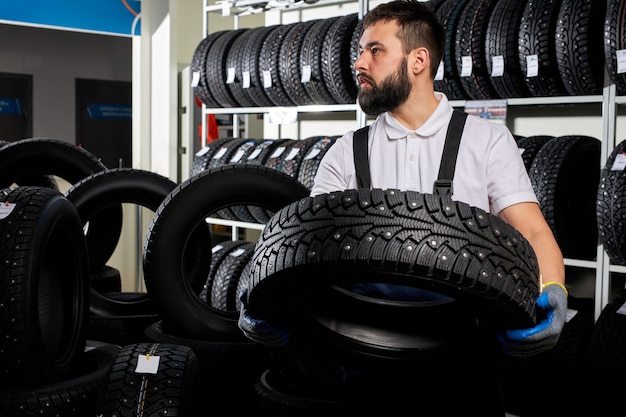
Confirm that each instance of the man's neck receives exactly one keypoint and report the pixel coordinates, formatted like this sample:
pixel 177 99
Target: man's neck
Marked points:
pixel 414 112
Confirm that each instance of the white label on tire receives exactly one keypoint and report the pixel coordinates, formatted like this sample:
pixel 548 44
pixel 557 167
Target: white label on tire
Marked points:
pixel 220 153
pixel 216 248
pixel 245 83
pixel 466 66
pixel 620 162
pixel 292 154
pixel 254 154
pixel 277 152
pixel 532 66
pixel 230 77
pixel 237 156
pixel 237 252
pixel 195 79
pixel 203 151
pixel 148 364
pixel 497 66
pixel 6 209
pixel 622 310
pixel 439 75
pixel 312 154
pixel 267 79
pixel 621 61
pixel 306 74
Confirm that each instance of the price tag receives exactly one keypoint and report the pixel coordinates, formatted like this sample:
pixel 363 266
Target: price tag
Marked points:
pixel 620 162
pixel 521 151
pixel 306 74
pixel 230 75
pixel 466 66
pixel 254 154
pixel 220 153
pixel 236 253
pixel 292 154
pixel 6 209
pixel 203 151
pixel 267 79
pixel 622 309
pixel 225 8
pixel 195 79
pixel 497 66
pixel 277 152
pixel 532 66
pixel 621 61
pixel 312 154
pixel 217 248
pixel 439 75
pixel 237 156
pixel 245 82
pixel 147 364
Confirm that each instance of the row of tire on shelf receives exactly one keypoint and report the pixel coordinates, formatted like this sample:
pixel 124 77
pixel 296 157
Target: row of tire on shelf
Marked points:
pixel 74 343
pixel 495 49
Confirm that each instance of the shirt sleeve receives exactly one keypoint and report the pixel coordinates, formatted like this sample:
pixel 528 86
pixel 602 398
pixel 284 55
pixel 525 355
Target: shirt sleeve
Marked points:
pixel 508 180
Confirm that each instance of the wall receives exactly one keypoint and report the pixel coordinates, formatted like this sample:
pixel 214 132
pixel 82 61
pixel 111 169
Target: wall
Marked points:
pixel 55 58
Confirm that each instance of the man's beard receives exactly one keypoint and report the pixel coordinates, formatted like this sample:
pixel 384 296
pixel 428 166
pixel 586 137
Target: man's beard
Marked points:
pixel 393 91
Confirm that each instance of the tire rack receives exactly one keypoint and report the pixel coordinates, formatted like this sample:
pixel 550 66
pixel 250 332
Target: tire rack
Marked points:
pixel 608 99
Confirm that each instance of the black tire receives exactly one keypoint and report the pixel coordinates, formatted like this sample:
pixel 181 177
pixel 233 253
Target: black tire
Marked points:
pixel 312 159
pixel 227 369
pixel 224 294
pixel 335 60
pixel 529 146
pixel 580 46
pixel 107 279
pixel 276 397
pixel 172 390
pixel 449 14
pixel 269 57
pixel 565 175
pixel 502 40
pixel 471 31
pixel 606 361
pixel 42 156
pixel 44 287
pixel 567 361
pixel 289 64
pixel 96 193
pixel 235 58
pixel 199 66
pixel 203 157
pixel 610 215
pixel 179 215
pixel 75 396
pixel 394 237
pixel 218 253
pixel 251 65
pixel 217 72
pixel 615 35
pixel 311 55
pixel 537 32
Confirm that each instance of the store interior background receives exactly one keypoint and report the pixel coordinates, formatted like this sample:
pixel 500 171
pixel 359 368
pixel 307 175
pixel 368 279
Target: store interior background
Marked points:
pixel 156 58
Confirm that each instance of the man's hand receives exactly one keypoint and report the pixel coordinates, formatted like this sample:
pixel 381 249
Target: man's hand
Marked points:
pixel 527 342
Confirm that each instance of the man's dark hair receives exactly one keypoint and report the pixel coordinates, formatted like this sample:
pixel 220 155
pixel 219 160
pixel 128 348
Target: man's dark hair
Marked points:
pixel 418 24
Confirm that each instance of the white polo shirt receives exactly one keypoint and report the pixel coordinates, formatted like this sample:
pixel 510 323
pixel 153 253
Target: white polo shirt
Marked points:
pixel 490 173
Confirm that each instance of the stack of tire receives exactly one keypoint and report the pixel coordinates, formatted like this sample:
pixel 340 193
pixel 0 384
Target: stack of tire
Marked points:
pixel 281 65
pixel 495 49
pixel 297 158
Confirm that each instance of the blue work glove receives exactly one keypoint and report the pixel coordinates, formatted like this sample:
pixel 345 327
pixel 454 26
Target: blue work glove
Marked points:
pixel 527 342
pixel 259 330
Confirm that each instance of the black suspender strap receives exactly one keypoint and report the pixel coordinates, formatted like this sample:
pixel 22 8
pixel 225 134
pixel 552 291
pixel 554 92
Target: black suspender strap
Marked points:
pixel 443 184
pixel 361 160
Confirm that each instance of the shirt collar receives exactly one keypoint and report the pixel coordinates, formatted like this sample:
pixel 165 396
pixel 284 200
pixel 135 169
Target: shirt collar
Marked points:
pixel 435 122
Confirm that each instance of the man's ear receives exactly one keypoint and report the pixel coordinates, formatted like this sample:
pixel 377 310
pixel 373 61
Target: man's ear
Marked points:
pixel 420 59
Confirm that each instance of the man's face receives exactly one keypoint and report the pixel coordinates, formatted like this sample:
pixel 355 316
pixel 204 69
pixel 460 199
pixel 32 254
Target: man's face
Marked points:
pixel 376 98
pixel 382 67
